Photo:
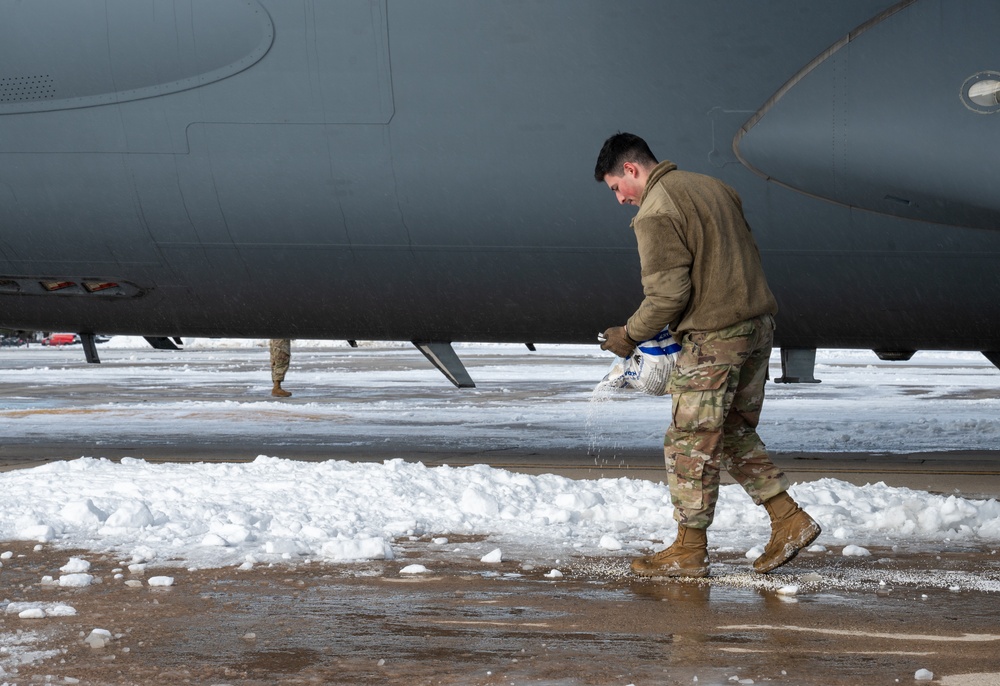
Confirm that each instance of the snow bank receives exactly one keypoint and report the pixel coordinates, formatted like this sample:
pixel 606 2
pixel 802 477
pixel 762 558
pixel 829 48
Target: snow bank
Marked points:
pixel 273 509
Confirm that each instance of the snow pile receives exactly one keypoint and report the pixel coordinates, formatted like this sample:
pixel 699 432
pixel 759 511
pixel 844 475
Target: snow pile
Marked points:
pixel 273 509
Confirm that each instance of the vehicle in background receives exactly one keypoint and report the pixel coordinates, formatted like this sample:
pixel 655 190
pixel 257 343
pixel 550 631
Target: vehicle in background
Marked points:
pixel 61 339
pixel 13 341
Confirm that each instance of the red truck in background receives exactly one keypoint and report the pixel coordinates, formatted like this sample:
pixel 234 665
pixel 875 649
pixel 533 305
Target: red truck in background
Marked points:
pixel 61 339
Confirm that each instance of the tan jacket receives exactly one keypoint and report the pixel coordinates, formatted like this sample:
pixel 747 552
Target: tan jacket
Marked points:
pixel 701 269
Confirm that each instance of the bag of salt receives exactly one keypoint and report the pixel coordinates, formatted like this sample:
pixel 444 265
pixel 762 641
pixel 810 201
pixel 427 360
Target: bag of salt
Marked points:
pixel 648 368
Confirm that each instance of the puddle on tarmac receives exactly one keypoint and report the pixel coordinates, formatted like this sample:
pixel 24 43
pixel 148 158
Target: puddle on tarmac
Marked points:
pixel 473 623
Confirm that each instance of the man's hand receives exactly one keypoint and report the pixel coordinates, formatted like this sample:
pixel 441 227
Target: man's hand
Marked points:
pixel 617 340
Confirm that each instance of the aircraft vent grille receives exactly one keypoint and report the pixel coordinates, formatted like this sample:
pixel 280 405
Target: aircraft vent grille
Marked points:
pixel 27 88
pixel 69 286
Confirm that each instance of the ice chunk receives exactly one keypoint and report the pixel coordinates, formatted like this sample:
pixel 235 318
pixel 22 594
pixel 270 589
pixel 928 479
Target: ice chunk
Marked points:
pixel 75 566
pixel 357 549
pixel 76 580
pixel 98 638
pixel 855 551
pixel 143 554
pixel 131 514
pixel 39 610
pixel 60 610
pixel 492 557
pixel 214 540
pixel 609 542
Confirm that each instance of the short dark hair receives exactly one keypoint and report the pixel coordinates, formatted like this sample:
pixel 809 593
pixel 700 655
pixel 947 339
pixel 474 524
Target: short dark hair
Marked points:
pixel 619 149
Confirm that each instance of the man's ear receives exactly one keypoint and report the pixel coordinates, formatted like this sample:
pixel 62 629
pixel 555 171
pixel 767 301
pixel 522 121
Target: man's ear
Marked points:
pixel 630 169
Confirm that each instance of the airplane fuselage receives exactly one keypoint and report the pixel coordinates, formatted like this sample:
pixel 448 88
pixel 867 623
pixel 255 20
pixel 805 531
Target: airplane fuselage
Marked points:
pixel 374 169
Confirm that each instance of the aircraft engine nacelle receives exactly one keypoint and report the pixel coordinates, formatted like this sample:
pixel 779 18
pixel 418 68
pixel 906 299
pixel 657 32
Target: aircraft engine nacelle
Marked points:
pixel 900 117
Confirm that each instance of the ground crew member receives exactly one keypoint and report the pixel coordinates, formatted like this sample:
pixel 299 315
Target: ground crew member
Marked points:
pixel 281 355
pixel 702 276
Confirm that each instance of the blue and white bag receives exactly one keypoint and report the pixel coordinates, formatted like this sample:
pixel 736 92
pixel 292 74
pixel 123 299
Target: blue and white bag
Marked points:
pixel 648 368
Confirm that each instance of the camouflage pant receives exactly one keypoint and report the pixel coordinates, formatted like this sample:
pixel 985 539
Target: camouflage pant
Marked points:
pixel 718 391
pixel 281 355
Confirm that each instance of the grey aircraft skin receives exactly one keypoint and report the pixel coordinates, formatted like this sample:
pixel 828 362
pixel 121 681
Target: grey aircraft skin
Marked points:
pixel 423 170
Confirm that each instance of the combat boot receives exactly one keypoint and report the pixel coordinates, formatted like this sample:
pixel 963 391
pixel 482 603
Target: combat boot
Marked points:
pixel 791 531
pixel 278 391
pixel 687 556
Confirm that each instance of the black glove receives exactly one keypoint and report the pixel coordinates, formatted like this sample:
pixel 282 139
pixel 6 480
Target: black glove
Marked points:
pixel 617 340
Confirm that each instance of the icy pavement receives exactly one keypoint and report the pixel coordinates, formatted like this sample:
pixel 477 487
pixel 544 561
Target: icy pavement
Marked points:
pixel 824 619
pixel 391 396
pixel 145 547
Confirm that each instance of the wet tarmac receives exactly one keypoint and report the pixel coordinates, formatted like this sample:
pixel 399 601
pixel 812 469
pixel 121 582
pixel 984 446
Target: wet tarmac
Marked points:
pixel 465 622
pixel 823 619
